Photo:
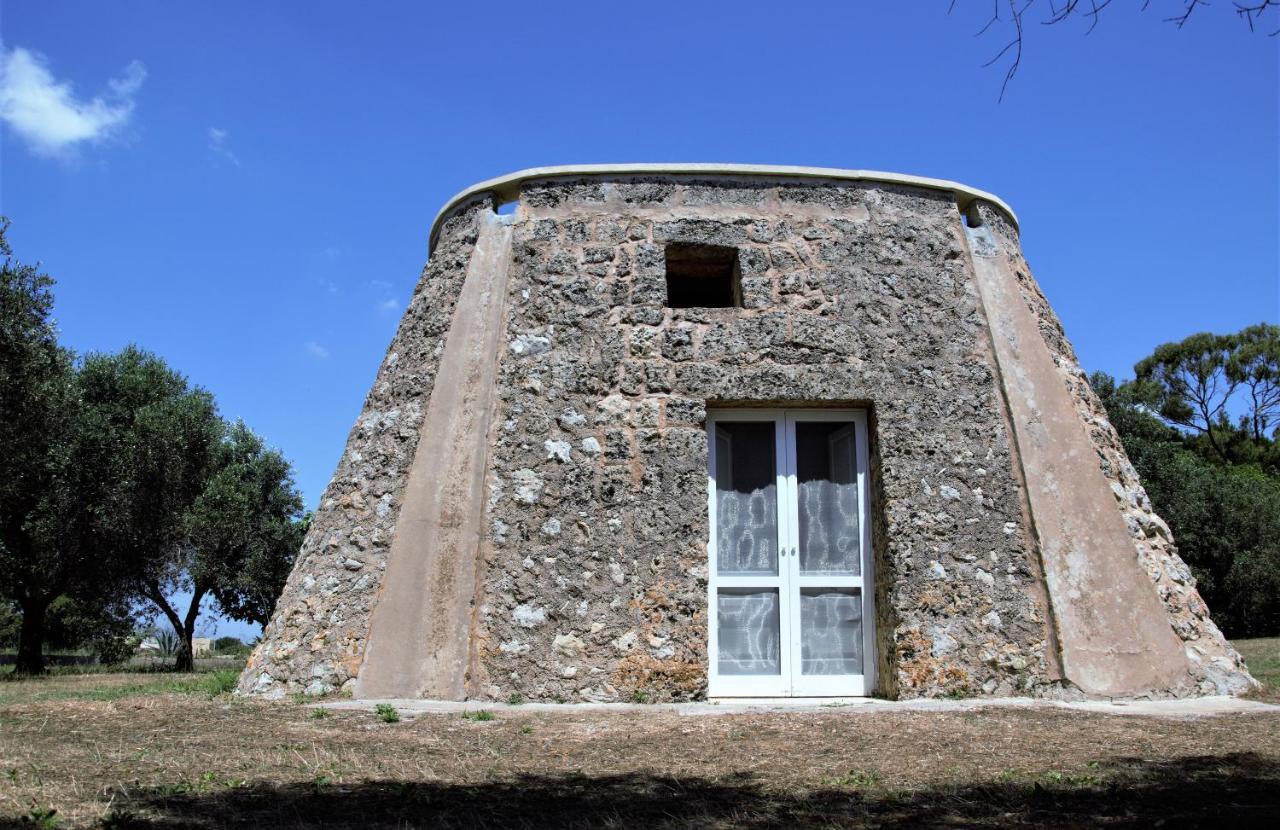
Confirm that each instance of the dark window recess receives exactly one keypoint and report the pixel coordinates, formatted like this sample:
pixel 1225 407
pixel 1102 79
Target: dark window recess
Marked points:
pixel 703 276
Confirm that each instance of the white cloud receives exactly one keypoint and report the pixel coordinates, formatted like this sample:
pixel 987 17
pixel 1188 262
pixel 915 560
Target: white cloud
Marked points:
pixel 316 350
pixel 388 305
pixel 47 113
pixel 218 144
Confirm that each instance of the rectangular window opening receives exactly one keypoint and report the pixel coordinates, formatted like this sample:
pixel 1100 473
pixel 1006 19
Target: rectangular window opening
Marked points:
pixel 703 276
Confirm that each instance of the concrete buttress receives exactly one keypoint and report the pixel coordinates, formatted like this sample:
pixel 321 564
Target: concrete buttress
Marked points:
pixel 420 630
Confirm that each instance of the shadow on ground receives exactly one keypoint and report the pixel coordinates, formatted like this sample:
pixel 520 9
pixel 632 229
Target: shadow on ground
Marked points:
pixel 1236 791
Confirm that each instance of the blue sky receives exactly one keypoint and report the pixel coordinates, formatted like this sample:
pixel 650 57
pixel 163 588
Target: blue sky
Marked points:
pixel 247 190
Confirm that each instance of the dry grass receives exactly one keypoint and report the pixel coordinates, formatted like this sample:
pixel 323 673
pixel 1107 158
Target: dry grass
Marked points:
pixel 179 758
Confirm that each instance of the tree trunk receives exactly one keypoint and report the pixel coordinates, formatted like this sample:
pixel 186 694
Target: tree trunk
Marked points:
pixel 184 627
pixel 31 638
pixel 186 653
pixel 182 661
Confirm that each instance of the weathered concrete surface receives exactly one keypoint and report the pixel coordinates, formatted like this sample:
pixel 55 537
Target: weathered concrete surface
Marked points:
pixel 420 633
pixel 1198 707
pixel 1213 666
pixel 508 188
pixel 315 641
pixel 1114 636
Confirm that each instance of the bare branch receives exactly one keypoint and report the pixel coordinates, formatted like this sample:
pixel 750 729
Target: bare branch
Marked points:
pixel 1059 11
pixel 1093 13
pixel 1252 11
pixel 1180 20
pixel 995 18
pixel 1017 41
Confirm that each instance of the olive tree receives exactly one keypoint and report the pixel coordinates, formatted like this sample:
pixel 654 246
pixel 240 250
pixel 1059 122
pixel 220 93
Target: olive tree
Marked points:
pixel 121 484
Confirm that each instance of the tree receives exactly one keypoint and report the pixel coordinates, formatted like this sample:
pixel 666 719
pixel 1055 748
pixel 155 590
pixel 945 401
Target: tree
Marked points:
pixel 196 506
pixel 106 629
pixel 240 534
pixel 1254 363
pixel 162 435
pixel 203 508
pixel 45 513
pixel 1225 515
pixel 1188 384
pixel 1193 382
pixel 120 483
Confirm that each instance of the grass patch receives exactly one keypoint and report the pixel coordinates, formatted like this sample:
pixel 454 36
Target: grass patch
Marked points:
pixel 146 666
pixel 1262 655
pixel 1055 778
pixel 481 715
pixel 41 689
pixel 386 713
pixel 856 779
pixel 44 818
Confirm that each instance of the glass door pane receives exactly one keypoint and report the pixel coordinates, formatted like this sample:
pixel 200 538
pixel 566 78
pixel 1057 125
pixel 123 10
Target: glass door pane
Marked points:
pixel 830 631
pixel 748 631
pixel 827 491
pixel 746 498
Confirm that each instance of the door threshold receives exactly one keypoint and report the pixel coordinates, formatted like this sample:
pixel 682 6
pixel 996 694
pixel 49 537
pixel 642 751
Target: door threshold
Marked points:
pixel 795 701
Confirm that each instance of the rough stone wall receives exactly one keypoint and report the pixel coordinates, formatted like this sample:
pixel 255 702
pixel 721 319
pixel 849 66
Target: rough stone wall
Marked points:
pixel 593 571
pixel 315 641
pixel 1214 667
pixel 594 584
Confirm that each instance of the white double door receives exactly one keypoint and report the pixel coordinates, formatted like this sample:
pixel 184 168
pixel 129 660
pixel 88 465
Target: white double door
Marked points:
pixel 790 610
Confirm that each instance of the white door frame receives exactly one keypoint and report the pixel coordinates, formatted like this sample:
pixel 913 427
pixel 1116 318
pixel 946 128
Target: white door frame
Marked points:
pixel 789 581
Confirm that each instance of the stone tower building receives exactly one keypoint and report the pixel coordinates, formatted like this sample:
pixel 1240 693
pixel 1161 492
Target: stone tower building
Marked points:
pixel 698 431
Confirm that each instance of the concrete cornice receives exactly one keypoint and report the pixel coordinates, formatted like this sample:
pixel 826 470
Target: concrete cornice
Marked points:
pixel 507 188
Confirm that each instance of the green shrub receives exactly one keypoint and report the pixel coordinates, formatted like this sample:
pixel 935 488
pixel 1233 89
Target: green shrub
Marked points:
pixel 45 818
pixel 220 682
pixel 119 820
pixel 1224 513
pixel 856 779
pixel 386 713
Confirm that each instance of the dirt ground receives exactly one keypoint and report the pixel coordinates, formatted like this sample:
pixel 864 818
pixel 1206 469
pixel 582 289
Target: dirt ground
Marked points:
pixel 126 750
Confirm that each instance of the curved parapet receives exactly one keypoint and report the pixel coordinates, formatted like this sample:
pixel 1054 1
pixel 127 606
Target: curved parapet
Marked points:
pixel 504 189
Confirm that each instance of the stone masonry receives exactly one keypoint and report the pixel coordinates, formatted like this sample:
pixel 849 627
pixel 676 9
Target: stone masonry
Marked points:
pixel 591 569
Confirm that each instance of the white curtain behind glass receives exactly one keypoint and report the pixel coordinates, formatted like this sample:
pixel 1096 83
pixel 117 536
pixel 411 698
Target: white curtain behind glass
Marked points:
pixel 747 630
pixel 830 631
pixel 746 500
pixel 830 536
